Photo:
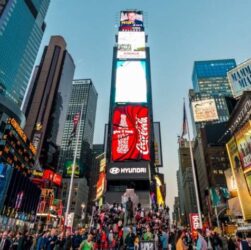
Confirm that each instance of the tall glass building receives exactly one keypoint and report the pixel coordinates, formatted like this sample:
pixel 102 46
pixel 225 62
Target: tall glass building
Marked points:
pixel 83 93
pixel 210 77
pixel 21 30
pixel 210 82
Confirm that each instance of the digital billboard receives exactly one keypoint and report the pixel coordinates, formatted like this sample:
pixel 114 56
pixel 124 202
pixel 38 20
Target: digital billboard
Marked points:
pixel 131 84
pixel 237 170
pixel 240 78
pixel 219 196
pixel 68 168
pixel 131 45
pixel 131 21
pixel 157 145
pixel 243 140
pixel 204 110
pixel 130 136
pixel 128 171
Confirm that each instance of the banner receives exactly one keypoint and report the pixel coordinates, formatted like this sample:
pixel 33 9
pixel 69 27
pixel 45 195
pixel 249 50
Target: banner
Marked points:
pixel 130 137
pixel 204 110
pixel 219 196
pixel 240 78
pixel 128 171
pixel 100 185
pixel 194 223
pixel 243 140
pixel 237 170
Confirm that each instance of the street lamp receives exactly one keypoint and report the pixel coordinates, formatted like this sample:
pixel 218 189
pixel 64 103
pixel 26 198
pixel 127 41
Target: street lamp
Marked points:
pixel 83 210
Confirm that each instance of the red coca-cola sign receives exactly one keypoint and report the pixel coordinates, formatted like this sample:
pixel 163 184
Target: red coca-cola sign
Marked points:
pixel 130 137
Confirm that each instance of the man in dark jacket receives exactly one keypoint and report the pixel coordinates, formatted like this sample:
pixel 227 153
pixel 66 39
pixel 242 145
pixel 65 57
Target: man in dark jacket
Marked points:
pixel 129 240
pixel 241 243
pixel 4 241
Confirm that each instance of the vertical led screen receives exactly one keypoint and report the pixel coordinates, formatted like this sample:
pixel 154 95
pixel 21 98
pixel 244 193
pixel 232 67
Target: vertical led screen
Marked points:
pixel 237 170
pixel 130 137
pixel 130 82
pixel 131 21
pixel 131 45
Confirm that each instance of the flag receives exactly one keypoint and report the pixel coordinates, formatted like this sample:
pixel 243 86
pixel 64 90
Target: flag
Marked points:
pixel 75 121
pixel 184 122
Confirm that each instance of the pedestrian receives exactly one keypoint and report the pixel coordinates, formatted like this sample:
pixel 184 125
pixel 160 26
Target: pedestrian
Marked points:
pixel 231 244
pixel 148 234
pixel 164 239
pixel 5 242
pixel 68 240
pixel 201 243
pixel 242 244
pixel 129 240
pixel 76 240
pixel 129 211
pixel 87 244
pixel 180 245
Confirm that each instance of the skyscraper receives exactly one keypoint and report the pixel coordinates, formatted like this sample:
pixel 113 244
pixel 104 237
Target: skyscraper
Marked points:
pixel 47 101
pixel 130 143
pixel 21 30
pixel 210 92
pixel 84 96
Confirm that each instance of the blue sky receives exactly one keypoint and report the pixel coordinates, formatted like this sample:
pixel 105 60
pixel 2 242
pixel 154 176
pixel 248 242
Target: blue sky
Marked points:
pixel 180 32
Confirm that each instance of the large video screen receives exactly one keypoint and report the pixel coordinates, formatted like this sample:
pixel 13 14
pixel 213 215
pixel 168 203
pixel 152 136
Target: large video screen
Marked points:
pixel 131 85
pixel 130 137
pixel 131 45
pixel 131 21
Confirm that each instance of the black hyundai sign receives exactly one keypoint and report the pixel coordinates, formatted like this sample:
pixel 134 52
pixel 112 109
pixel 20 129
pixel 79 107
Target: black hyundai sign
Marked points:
pixel 128 171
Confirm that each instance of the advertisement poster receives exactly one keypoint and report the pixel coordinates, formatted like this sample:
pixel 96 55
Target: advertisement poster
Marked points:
pixel 240 78
pixel 219 196
pixel 131 45
pixel 242 188
pixel 100 185
pixel 130 84
pixel 130 137
pixel 131 21
pixel 204 110
pixel 68 168
pixel 243 140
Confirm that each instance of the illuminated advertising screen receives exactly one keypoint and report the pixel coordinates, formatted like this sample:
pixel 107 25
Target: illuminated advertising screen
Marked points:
pixel 130 137
pixel 242 186
pixel 68 168
pixel 131 45
pixel 131 21
pixel 243 140
pixel 205 110
pixel 131 83
pixel 240 78
pixel 219 196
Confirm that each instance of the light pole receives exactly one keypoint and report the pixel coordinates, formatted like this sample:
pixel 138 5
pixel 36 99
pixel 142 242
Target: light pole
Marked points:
pixel 83 212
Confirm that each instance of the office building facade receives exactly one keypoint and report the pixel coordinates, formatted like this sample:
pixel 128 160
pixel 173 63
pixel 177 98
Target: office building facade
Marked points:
pixel 210 90
pixel 84 96
pixel 47 101
pixel 16 64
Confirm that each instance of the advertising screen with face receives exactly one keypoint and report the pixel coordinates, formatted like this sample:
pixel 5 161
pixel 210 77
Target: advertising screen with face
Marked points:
pixel 130 137
pixel 131 83
pixel 131 45
pixel 131 21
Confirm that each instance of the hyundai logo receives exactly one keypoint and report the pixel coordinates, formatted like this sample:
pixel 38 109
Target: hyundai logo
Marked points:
pixel 114 171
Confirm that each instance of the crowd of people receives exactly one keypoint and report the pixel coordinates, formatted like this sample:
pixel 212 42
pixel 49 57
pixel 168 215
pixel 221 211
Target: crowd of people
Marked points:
pixel 117 226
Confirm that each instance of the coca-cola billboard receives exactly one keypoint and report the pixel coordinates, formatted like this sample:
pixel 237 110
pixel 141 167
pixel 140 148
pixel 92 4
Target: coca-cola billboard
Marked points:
pixel 130 137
